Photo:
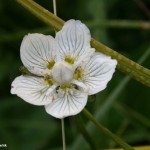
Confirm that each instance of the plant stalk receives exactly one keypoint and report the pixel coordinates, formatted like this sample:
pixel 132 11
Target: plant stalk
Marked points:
pixel 125 65
pixel 63 134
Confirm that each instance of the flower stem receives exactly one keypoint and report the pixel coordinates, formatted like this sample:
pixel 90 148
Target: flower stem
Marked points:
pixel 125 65
pixel 107 132
pixel 62 120
pixel 63 134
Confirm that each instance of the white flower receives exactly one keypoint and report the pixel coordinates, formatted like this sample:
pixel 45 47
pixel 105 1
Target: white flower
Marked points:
pixel 66 70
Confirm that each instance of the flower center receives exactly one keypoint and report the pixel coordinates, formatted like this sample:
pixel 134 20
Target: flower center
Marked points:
pixel 62 73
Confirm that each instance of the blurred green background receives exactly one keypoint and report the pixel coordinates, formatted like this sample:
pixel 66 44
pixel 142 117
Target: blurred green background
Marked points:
pixel 124 107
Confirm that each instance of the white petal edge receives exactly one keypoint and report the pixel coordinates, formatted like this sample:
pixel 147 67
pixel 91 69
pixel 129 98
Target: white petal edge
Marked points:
pixel 98 72
pixel 36 51
pixel 33 90
pixel 74 40
pixel 67 104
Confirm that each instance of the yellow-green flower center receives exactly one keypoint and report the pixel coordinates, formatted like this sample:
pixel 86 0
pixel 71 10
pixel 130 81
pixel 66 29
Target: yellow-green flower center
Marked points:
pixel 48 80
pixel 69 60
pixel 66 87
pixel 79 73
pixel 51 64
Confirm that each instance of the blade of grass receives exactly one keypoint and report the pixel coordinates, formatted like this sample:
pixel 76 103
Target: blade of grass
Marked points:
pixel 107 132
pixel 120 130
pixel 125 65
pixel 136 148
pixel 80 124
pixel 126 24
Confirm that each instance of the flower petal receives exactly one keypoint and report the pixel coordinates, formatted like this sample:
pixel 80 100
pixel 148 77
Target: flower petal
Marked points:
pixel 67 104
pixel 98 72
pixel 33 90
pixel 74 41
pixel 36 51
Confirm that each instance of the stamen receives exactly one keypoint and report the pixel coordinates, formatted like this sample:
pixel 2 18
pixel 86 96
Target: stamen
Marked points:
pixel 78 74
pixel 48 80
pixel 50 64
pixel 69 60
pixel 66 87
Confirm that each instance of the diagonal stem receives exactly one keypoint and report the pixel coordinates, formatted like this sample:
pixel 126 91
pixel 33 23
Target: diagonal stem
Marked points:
pixel 80 124
pixel 125 65
pixel 107 132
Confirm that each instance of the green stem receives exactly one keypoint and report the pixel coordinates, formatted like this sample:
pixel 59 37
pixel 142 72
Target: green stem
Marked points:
pixel 120 24
pixel 63 134
pixel 81 126
pixel 121 130
pixel 125 65
pixel 107 132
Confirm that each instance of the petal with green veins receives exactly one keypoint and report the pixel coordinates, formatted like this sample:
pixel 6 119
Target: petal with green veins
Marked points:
pixel 74 42
pixel 37 51
pixel 98 72
pixel 68 103
pixel 33 90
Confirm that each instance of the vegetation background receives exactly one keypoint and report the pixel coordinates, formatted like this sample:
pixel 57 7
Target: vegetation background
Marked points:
pixel 124 107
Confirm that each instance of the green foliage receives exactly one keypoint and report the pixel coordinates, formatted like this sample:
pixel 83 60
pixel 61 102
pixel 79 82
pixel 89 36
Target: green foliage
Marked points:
pixel 123 107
